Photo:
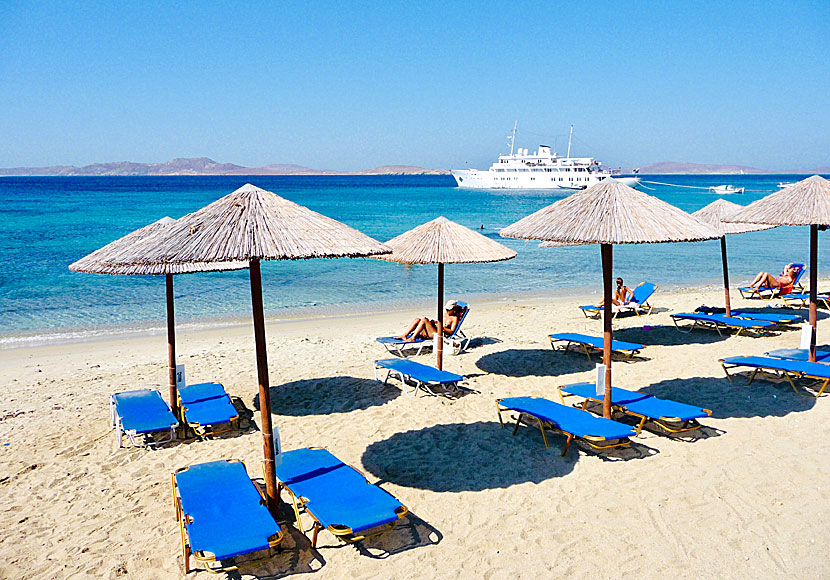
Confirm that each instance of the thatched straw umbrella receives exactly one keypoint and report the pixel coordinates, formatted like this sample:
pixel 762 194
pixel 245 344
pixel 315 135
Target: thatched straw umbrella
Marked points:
pixel 442 241
pixel 714 214
pixel 106 260
pixel 610 213
pixel 806 203
pixel 251 225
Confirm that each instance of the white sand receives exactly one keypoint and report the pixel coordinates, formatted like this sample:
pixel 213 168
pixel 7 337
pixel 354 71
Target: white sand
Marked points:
pixel 747 499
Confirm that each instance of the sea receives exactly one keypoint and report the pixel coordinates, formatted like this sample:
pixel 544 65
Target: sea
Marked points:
pixel 46 223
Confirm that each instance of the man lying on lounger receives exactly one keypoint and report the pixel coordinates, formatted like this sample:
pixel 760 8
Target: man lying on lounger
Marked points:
pixel 425 328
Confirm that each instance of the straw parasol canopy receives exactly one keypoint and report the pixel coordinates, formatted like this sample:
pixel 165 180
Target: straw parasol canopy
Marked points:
pixel 442 241
pixel 806 203
pixel 610 213
pixel 714 214
pixel 109 259
pixel 249 225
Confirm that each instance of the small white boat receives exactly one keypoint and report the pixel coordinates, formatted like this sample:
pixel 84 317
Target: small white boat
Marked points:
pixel 724 189
pixel 783 184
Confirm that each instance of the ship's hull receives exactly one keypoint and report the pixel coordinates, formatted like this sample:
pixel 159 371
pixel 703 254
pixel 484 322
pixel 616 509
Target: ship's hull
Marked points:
pixel 475 179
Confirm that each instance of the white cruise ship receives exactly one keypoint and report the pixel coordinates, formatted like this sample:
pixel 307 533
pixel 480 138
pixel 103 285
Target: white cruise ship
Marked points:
pixel 539 170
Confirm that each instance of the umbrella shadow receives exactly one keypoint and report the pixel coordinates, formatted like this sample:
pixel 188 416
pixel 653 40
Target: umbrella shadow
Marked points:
pixel 760 399
pixel 459 457
pixel 662 335
pixel 483 341
pixel 410 533
pixel 327 395
pixel 542 362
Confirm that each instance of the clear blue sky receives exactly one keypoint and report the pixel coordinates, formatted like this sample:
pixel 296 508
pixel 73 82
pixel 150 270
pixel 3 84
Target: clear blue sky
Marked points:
pixel 351 86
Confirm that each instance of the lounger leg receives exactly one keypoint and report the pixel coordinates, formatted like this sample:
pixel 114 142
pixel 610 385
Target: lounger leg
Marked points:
pixel 728 376
pixel 498 410
pixel 317 528
pixel 567 444
pixel 587 352
pixel 516 428
pixel 792 384
pixel 752 377
pixel 824 386
pixel 640 426
pixel 542 429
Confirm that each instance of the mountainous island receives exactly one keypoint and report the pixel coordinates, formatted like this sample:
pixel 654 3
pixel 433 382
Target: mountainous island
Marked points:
pixel 206 166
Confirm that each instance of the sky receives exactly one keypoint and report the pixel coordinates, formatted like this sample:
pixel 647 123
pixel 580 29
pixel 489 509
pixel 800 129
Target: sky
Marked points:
pixel 350 86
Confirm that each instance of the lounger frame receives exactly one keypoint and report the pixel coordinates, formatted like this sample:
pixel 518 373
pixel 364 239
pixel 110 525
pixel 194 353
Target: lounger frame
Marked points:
pixel 595 442
pixel 209 560
pixel 669 424
pixel 342 533
pixel 779 373
pixel 716 324
pixel 115 419
pixel 804 299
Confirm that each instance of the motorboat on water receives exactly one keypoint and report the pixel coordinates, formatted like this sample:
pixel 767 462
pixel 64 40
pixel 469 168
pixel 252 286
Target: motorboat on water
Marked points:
pixel 541 169
pixel 784 184
pixel 725 189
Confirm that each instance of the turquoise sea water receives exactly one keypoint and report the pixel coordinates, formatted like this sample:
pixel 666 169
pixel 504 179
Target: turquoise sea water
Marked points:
pixel 49 222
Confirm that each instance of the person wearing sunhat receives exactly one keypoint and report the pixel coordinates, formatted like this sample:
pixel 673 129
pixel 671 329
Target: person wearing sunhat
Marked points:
pixel 425 328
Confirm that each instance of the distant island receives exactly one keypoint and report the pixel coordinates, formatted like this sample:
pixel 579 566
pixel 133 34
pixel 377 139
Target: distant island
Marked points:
pixel 206 166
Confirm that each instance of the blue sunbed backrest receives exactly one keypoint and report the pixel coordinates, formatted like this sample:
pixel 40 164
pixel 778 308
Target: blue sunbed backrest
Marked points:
pixel 643 292
pixel 465 309
pixel 801 270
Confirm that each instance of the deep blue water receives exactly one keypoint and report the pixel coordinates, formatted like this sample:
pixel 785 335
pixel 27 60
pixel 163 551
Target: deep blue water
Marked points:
pixel 49 222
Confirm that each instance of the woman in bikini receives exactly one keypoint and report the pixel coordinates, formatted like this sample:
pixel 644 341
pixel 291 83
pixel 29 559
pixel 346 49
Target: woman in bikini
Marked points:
pixel 425 328
pixel 768 280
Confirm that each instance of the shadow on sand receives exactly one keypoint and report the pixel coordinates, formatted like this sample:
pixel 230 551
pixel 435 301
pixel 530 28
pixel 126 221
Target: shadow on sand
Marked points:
pixel 328 395
pixel 542 362
pixel 760 399
pixel 459 457
pixel 668 336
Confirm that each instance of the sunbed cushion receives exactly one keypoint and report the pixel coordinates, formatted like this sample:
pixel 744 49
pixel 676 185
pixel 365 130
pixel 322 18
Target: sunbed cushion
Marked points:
pixel 211 411
pixel 200 392
pixel 618 396
pixel 813 369
pixel 419 372
pixel 143 411
pixel 575 421
pixel 725 320
pixel 335 493
pixel 228 515
pixel 393 340
pixel 596 341
pixel 800 354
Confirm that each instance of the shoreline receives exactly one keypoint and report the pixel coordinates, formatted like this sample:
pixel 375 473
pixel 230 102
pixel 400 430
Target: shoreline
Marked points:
pixel 155 327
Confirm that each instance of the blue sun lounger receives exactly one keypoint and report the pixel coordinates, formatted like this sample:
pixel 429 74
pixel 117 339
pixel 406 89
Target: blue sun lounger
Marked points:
pixel 595 431
pixel 801 354
pixel 417 375
pixel 458 341
pixel 336 496
pixel 593 343
pixel 718 321
pixel 803 299
pixel 141 412
pixel 768 293
pixel 222 516
pixel 790 369
pixel 672 416
pixel 636 303
pixel 774 317
pixel 207 409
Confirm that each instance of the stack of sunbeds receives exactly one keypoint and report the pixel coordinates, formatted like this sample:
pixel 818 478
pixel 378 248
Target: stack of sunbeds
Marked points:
pixel 207 409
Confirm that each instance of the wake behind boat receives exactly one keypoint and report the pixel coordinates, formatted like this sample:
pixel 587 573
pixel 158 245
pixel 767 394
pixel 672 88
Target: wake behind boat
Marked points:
pixel 539 170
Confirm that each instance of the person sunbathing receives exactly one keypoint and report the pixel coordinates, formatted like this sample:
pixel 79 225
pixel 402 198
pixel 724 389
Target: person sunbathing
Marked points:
pixel 424 328
pixel 621 296
pixel 768 280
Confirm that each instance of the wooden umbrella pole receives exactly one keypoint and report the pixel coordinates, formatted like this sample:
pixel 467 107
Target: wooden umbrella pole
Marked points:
pixel 607 259
pixel 264 389
pixel 439 348
pixel 171 346
pixel 813 288
pixel 725 275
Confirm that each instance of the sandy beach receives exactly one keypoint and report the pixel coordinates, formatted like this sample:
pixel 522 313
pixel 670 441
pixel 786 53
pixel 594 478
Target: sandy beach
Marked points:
pixel 744 498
